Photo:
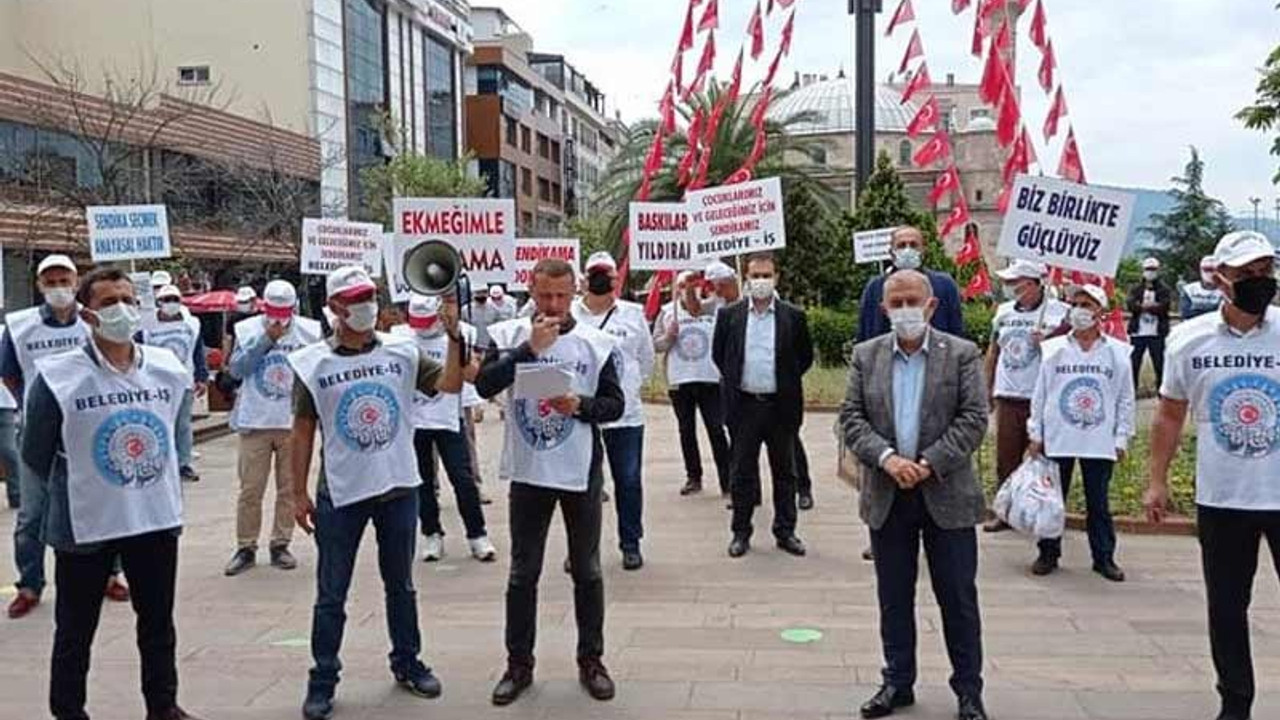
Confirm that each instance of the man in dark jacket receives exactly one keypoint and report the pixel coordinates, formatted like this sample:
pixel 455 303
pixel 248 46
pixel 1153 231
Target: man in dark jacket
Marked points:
pixel 907 245
pixel 1148 305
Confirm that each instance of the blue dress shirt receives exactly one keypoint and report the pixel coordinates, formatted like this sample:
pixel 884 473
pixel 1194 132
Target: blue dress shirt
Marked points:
pixel 908 391
pixel 759 361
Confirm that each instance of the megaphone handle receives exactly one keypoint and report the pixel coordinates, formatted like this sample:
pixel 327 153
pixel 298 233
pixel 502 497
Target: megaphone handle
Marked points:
pixel 465 350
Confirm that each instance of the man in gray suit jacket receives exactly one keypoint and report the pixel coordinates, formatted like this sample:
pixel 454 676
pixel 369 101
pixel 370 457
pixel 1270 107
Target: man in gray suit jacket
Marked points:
pixel 914 413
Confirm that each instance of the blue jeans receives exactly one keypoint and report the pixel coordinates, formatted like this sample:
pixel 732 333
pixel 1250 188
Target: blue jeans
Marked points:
pixel 183 433
pixel 9 455
pixel 28 531
pixel 625 448
pixel 338 533
pixel 456 457
pixel 1101 530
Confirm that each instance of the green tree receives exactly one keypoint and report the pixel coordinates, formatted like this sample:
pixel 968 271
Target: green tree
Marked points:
pixel 413 175
pixel 1192 228
pixel 815 265
pixel 592 232
pixel 1264 114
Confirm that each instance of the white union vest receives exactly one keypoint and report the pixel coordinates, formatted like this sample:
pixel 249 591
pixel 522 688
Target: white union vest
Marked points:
pixel 117 431
pixel 442 410
pixel 365 403
pixel 177 336
pixel 1019 364
pixel 32 339
pixel 689 359
pixel 542 447
pixel 265 398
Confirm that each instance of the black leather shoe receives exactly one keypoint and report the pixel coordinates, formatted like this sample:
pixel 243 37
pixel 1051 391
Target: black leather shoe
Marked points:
pixel 282 559
pixel 632 560
pixel 886 700
pixel 739 547
pixel 173 713
pixel 421 682
pixel 970 708
pixel 514 681
pixel 244 559
pixel 868 555
pixel 1109 570
pixel 692 487
pixel 593 676
pixel 318 705
pixel 805 502
pixel 791 545
pixel 1044 565
pixel 996 525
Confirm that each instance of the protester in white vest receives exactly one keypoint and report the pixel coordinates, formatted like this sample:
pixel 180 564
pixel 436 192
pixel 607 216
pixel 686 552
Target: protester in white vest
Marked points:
pixel 171 326
pixel 262 418
pixel 29 335
pixel 1224 373
pixel 1203 295
pixel 107 455
pixel 556 459
pixel 624 439
pixel 358 387
pixel 1082 410
pixel 438 429
pixel 1019 327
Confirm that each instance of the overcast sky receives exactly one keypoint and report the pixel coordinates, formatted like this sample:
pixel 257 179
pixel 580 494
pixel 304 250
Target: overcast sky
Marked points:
pixel 1143 80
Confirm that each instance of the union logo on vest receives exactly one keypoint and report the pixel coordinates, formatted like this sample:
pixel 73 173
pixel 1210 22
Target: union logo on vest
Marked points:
pixel 540 425
pixel 692 343
pixel 273 379
pixel 1017 350
pixel 130 448
pixel 1082 403
pixel 368 417
pixel 1245 414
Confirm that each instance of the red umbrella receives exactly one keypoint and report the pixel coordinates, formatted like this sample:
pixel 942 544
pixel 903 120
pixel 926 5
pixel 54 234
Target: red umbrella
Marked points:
pixel 216 301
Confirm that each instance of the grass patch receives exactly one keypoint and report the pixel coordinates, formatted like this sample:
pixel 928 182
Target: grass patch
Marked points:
pixel 822 386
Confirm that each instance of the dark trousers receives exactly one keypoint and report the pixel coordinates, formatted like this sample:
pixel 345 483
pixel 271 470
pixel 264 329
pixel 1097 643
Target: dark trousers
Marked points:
pixel 625 448
pixel 758 425
pixel 151 562
pixel 1101 530
pixel 1229 541
pixel 531 510
pixel 687 401
pixel 953 567
pixel 338 534
pixel 804 483
pixel 456 457
pixel 1011 435
pixel 1153 345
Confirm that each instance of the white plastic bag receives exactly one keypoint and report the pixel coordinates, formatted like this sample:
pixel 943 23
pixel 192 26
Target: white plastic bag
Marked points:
pixel 1031 499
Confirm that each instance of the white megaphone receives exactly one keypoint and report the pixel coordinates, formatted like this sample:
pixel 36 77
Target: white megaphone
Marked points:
pixel 434 268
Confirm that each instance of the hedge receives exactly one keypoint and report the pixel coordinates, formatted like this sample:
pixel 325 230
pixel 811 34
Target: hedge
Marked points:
pixel 831 331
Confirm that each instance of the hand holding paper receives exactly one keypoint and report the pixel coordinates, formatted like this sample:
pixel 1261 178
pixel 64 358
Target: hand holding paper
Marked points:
pixel 536 381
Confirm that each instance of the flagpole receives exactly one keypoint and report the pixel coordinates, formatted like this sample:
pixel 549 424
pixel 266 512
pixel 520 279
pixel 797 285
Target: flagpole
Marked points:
pixel 864 12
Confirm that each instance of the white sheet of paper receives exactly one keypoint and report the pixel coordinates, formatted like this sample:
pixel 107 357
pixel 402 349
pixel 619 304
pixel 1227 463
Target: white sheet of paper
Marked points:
pixel 536 381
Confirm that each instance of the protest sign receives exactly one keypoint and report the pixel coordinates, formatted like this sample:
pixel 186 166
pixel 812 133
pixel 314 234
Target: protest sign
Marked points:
pixel 530 250
pixel 393 258
pixel 482 230
pixel 128 232
pixel 1067 225
pixel 737 219
pixel 873 245
pixel 142 290
pixel 660 237
pixel 330 244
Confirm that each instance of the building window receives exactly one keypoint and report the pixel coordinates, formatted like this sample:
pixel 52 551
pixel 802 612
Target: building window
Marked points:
pixel 544 147
pixel 818 155
pixel 511 132
pixel 526 223
pixel 441 100
pixel 366 93
pixel 904 153
pixel 555 152
pixel 977 196
pixel 500 177
pixel 526 182
pixel 488 80
pixel 979 112
pixel 544 189
pixel 525 144
pixel 193 75
pixel 555 193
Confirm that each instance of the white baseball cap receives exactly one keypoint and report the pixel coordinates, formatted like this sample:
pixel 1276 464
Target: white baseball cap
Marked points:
pixel 1020 269
pixel 1240 248
pixel 246 294
pixel 602 259
pixel 496 292
pixel 280 293
pixel 169 291
pixel 1151 264
pixel 1208 263
pixel 1093 291
pixel 718 271
pixel 160 278
pixel 423 305
pixel 55 261
pixel 347 281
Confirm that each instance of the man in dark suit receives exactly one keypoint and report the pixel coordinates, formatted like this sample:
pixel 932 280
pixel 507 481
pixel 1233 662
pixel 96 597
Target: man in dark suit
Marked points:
pixel 762 348
pixel 914 414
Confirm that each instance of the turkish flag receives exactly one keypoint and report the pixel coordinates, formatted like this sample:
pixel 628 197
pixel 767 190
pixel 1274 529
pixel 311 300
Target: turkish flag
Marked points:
pixel 989 8
pixel 740 175
pixel 958 6
pixel 1071 166
pixel 677 71
pixel 713 122
pixel 919 81
pixel 991 87
pixel 926 118
pixel 1018 161
pixel 787 31
pixel 915 49
pixel 905 13
pixel 1031 150
pixel 1002 202
pixel 735 80
pixel 653 303
pixel 704 164
pixel 755 28
pixel 979 32
pixel 979 285
pixel 958 218
pixel 1047 64
pixel 708 59
pixel 686 35
pixel 684 172
pixel 1010 117
pixel 654 160
pixel 696 126
pixel 1004 39
pixel 1039 32
pixel 762 106
pixel 947 182
pixel 1056 111
pixel 938 147
pixel 667 109
pixel 710 16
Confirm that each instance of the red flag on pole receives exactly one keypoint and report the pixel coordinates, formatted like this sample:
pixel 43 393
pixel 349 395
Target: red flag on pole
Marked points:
pixel 761 107
pixel 704 164
pixel 1031 150
pixel 1071 167
pixel 1010 116
pixel 919 81
pixel 915 49
pixel 979 285
pixel 905 13
pixel 979 32
pixel 735 80
pixel 708 59
pixel 989 8
pixel 959 217
pixel 677 71
pixel 654 160
pixel 1002 202
pixel 1039 36
pixel 1056 111
pixel 667 109
pixel 710 16
pixel 1018 161
pixel 1047 64
pixel 686 35
pixel 787 31
pixel 684 171
pixel 958 6
pixel 755 28
pixel 947 182
pixel 926 118
pixel 1004 39
pixel 991 87
pixel 938 147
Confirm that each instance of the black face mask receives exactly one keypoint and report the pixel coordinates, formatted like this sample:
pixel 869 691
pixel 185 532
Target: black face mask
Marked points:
pixel 599 283
pixel 1254 294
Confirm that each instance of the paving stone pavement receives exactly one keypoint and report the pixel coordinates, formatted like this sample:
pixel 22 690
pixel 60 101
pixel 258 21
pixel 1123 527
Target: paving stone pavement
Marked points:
pixel 692 636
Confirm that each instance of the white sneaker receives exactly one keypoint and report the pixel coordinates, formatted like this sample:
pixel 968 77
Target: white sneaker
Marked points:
pixel 432 548
pixel 482 549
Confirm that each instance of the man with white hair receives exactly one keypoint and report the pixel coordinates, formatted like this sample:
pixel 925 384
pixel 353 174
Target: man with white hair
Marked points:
pixel 262 418
pixel 1148 305
pixel 173 328
pixel 1203 295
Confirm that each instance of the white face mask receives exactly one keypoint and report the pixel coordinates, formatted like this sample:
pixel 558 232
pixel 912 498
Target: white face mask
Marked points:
pixel 760 288
pixel 118 323
pixel 171 307
pixel 60 297
pixel 244 307
pixel 908 322
pixel 1206 278
pixel 362 316
pixel 1081 318
pixel 1150 274
pixel 908 258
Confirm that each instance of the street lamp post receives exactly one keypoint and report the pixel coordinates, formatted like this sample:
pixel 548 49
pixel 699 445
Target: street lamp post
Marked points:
pixel 864 78
pixel 1256 202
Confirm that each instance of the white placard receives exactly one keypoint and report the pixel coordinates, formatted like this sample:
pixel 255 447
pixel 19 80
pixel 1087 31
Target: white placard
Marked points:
pixel 330 244
pixel 483 231
pixel 660 237
pixel 873 245
pixel 530 250
pixel 142 290
pixel 393 258
pixel 128 232
pixel 1065 224
pixel 535 381
pixel 737 219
